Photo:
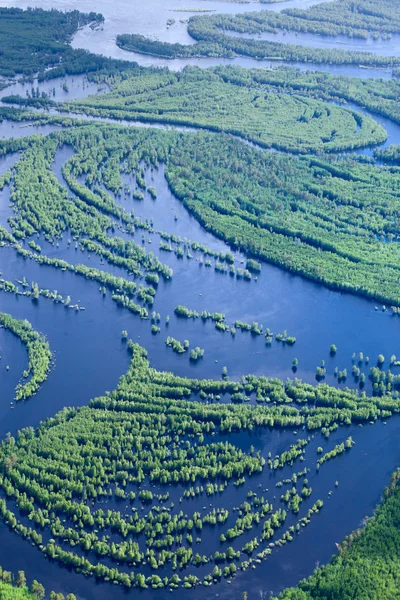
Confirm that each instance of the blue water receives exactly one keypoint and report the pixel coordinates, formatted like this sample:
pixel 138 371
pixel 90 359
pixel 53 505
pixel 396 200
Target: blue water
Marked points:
pixel 90 357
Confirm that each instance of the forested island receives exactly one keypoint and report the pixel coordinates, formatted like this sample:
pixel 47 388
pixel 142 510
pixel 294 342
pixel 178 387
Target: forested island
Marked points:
pixel 39 355
pixel 360 19
pixel 36 39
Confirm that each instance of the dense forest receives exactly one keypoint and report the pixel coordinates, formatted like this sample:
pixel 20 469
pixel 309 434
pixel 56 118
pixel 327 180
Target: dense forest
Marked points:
pixel 248 103
pixel 15 587
pixel 37 41
pixel 212 42
pixel 390 155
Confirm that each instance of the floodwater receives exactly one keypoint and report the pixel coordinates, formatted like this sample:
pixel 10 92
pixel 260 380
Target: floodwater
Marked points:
pixel 90 357
pixel 150 19
pixel 380 47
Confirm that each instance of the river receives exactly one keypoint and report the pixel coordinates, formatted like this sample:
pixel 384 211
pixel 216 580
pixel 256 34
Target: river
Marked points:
pixel 90 357
pixel 150 19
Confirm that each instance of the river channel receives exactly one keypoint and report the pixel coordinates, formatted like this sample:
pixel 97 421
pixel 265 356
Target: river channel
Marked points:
pixel 90 357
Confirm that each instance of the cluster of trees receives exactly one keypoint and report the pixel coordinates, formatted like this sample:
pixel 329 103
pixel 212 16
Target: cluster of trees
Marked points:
pixel 223 263
pixel 39 355
pixel 34 292
pixel 196 353
pixel 16 588
pixel 34 102
pixel 176 345
pixel 390 155
pixel 253 265
pixel 289 456
pixel 183 311
pixel 197 247
pixel 36 39
pixel 285 338
pixel 384 382
pixel 367 562
pixel 220 324
pixel 133 307
pixel 338 449
pixel 150 431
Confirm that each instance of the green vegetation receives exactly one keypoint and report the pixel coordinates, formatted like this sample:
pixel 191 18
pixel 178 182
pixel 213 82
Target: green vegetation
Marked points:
pixel 211 42
pixel 16 588
pixel 39 355
pixel 197 247
pixel 33 40
pixel 41 205
pixel 391 154
pixel 338 449
pixel 305 214
pixel 306 227
pixel 367 563
pixel 176 345
pixel 331 219
pixel 377 95
pixel 33 291
pixel 8 591
pixel 183 311
pixel 253 265
pixel 211 32
pixel 383 381
pixel 217 101
pixel 359 19
pixel 220 324
pixel 151 432
pixel 196 353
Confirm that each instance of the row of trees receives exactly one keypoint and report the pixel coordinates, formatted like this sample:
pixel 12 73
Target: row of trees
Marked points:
pixel 211 33
pixel 39 355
